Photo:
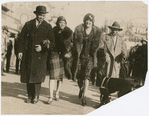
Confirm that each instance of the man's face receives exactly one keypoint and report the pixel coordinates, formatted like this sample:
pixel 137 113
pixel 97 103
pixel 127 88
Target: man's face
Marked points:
pixel 16 35
pixel 144 43
pixel 88 23
pixel 62 24
pixel 40 17
pixel 5 32
pixel 114 32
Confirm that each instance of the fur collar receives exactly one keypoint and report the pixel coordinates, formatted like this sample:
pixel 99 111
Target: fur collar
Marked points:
pixel 66 32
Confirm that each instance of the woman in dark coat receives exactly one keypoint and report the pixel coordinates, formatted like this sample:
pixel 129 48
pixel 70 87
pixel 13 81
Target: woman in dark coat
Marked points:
pixel 33 49
pixel 61 52
pixel 87 40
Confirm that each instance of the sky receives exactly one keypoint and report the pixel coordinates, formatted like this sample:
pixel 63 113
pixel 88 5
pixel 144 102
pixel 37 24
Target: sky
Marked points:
pixel 74 12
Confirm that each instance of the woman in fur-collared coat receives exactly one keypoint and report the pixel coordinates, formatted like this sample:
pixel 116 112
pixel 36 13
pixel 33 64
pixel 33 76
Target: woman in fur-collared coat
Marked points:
pixel 61 53
pixel 87 40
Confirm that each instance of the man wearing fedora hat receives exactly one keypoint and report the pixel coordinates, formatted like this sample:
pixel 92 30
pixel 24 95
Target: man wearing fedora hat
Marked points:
pixel 35 39
pixel 115 50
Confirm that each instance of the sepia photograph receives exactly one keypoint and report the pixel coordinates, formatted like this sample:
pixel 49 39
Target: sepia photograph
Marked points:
pixel 72 57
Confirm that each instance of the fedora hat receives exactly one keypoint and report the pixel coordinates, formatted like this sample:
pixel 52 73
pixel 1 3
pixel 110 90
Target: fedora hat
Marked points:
pixel 5 28
pixel 115 25
pixel 40 10
pixel 145 40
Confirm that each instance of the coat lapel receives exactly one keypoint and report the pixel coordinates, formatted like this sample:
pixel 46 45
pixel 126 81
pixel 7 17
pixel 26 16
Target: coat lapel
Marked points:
pixel 40 26
pixel 34 25
pixel 110 45
pixel 118 45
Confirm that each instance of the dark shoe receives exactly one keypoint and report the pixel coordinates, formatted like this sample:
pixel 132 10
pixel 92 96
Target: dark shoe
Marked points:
pixel 28 100
pixel 83 101
pixel 74 79
pixel 98 105
pixel 137 86
pixel 2 75
pixel 35 100
pixel 7 71
pixel 16 72
pixel 69 78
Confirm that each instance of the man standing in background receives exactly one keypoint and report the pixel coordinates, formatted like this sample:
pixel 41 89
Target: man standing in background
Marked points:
pixel 8 55
pixel 16 52
pixel 3 47
pixel 115 50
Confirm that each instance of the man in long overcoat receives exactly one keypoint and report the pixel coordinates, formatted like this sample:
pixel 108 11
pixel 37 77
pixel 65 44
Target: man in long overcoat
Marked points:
pixel 115 50
pixel 35 40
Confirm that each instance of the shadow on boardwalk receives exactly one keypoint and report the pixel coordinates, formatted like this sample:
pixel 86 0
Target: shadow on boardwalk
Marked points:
pixel 17 89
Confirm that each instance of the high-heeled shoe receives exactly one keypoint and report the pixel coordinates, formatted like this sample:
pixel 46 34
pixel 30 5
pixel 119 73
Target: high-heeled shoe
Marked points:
pixel 57 97
pixel 80 94
pixel 84 101
pixel 50 100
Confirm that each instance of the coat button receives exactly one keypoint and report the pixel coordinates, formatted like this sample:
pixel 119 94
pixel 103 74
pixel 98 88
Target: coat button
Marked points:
pixel 39 58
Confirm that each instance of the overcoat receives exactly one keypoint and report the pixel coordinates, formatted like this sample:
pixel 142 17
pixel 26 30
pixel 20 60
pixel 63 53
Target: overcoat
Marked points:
pixel 33 65
pixel 79 36
pixel 114 54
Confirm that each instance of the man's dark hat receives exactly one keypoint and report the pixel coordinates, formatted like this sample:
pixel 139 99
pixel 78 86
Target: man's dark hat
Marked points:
pixel 115 25
pixel 5 28
pixel 40 10
pixel 145 40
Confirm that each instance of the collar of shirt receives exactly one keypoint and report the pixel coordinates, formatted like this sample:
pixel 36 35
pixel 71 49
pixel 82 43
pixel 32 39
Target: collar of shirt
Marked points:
pixel 114 40
pixel 38 23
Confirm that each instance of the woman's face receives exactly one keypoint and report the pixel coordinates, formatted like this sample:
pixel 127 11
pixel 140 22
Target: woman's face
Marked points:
pixel 62 24
pixel 88 23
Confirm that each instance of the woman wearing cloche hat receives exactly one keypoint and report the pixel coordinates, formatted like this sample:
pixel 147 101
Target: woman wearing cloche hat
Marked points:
pixel 59 57
pixel 86 41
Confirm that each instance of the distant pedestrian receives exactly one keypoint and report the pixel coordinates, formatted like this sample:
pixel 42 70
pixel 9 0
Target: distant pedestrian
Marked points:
pixel 33 47
pixel 4 40
pixel 16 53
pixel 8 55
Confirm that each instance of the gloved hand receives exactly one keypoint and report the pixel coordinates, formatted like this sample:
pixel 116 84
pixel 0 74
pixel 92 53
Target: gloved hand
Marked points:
pixel 38 48
pixel 46 43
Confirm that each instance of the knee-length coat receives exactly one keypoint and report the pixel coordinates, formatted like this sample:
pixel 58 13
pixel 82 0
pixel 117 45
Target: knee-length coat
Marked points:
pixel 79 36
pixel 114 55
pixel 34 64
pixel 63 43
